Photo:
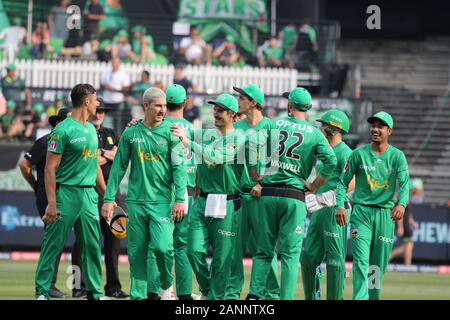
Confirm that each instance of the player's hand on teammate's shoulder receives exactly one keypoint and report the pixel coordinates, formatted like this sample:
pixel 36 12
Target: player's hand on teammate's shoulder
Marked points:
pixel 398 212
pixel 341 216
pixel 180 133
pixel 133 122
pixel 178 211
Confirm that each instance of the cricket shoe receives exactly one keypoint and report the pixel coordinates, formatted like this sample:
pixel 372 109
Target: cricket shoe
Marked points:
pixel 168 294
pixel 42 297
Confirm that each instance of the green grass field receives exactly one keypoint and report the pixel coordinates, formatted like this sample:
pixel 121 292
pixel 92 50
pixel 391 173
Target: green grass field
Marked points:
pixel 17 282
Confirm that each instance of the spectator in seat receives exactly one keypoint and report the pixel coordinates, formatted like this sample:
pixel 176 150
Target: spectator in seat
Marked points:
pixel 95 13
pixel 227 54
pixel 13 39
pixel 15 89
pixel 40 40
pixel 25 123
pixel 137 90
pixel 57 21
pixel 288 37
pixel 7 119
pixel 307 47
pixel 142 45
pixel 272 54
pixel 194 49
pixel 122 48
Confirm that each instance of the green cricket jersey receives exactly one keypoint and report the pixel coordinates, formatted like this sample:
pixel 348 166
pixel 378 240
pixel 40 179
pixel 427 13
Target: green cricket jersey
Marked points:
pixel 342 152
pixel 78 144
pixel 289 34
pixel 376 177
pixel 219 161
pixel 156 165
pixel 299 145
pixel 191 167
pixel 250 133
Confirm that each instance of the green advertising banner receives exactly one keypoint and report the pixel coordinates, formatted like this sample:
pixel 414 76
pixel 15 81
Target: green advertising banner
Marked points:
pixel 231 17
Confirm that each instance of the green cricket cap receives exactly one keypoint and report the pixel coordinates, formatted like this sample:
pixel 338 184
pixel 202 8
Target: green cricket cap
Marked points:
pixel 336 118
pixel 384 117
pixel 230 38
pixel 227 101
pixel 253 91
pixel 300 98
pixel 11 104
pixel 176 94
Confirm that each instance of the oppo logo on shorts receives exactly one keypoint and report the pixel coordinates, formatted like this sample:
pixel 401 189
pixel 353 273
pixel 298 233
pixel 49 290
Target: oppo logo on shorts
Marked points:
pixel 226 233
pixel 330 234
pixel 164 219
pixel 385 239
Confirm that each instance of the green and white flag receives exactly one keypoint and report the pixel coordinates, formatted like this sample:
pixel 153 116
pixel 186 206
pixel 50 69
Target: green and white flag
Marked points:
pixel 232 17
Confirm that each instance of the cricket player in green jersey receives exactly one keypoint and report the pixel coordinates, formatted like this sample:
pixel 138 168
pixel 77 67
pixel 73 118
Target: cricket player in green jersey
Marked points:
pixel 326 240
pixel 378 167
pixel 155 168
pixel 71 173
pixel 251 100
pixel 176 101
pixel 282 209
pixel 212 219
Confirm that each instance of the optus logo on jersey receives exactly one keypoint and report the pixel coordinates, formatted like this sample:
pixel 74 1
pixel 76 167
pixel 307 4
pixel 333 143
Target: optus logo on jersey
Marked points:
pixel 298 126
pixel 330 234
pixel 226 233
pixel 165 219
pixel 386 239
pixel 81 139
pixel 137 140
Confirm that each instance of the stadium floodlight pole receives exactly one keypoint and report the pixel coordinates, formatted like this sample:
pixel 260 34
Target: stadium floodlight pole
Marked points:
pixel 30 21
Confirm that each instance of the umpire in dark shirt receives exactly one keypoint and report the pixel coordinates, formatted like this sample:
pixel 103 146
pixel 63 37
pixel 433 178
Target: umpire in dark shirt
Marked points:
pixel 107 145
pixel 36 157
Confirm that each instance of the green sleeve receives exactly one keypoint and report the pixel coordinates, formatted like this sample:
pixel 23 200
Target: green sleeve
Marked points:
pixel 403 181
pixel 57 140
pixel 226 153
pixel 118 169
pixel 344 180
pixel 178 164
pixel 326 154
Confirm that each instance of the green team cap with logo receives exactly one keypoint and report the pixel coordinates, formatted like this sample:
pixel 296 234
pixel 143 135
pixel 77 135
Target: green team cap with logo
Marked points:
pixel 253 91
pixel 11 105
pixel 336 118
pixel 227 101
pixel 300 98
pixel 123 33
pixel 175 94
pixel 384 117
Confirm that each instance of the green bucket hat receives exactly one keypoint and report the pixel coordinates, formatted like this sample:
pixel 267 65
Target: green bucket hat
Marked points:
pixel 230 38
pixel 11 105
pixel 253 91
pixel 175 94
pixel 138 28
pixel 39 108
pixel 227 101
pixel 300 97
pixel 384 117
pixel 336 118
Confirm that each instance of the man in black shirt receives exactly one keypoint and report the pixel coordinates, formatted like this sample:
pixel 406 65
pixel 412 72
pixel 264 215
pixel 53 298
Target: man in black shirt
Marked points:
pixel 107 145
pixel 36 157
pixel 95 13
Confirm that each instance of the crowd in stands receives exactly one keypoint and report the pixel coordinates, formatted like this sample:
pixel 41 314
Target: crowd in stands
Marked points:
pixel 20 117
pixel 294 47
